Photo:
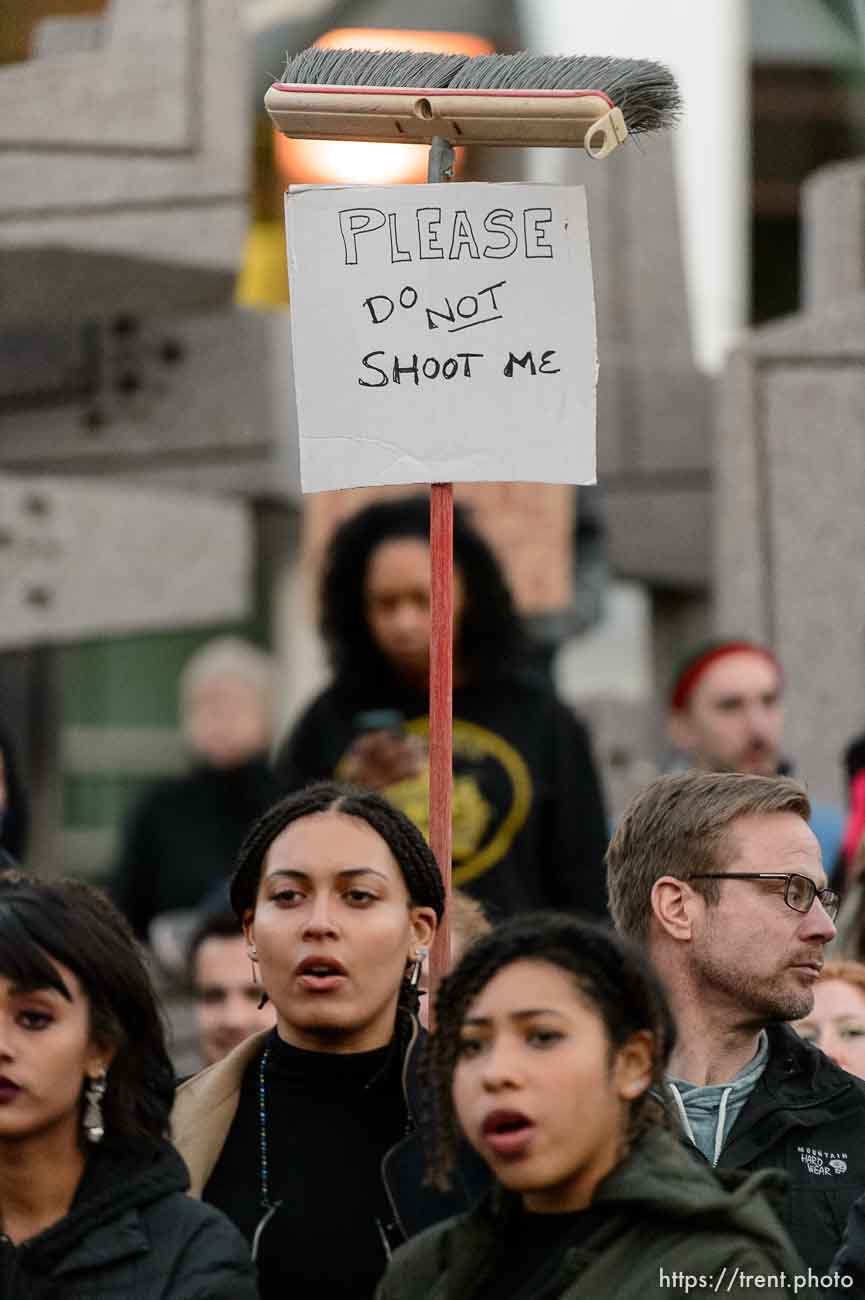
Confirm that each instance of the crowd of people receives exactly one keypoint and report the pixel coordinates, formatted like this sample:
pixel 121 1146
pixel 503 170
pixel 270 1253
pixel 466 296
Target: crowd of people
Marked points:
pixel 644 1074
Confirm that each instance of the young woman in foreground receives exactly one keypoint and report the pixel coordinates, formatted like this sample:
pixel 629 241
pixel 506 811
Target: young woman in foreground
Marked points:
pixel 550 1035
pixel 306 1135
pixel 92 1196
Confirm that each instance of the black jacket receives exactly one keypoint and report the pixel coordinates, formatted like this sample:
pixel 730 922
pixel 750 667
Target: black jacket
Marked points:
pixel 15 819
pixel 181 840
pixel 805 1116
pixel 414 1201
pixel 659 1218
pixel 206 1105
pixel 131 1234
pixel 206 1111
pixel 849 1263
pixel 530 828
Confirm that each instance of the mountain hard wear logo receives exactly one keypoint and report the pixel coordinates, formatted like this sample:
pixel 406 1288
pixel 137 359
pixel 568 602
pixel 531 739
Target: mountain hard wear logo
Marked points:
pixel 823 1162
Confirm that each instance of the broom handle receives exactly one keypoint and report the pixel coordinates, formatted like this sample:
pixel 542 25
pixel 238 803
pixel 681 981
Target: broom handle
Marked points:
pixel 441 159
pixel 441 706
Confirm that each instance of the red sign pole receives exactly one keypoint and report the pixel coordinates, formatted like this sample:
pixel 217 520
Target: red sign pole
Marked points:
pixel 441 705
pixel 441 164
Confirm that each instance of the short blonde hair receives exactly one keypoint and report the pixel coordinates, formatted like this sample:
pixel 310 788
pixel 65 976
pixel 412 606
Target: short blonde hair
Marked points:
pixel 677 826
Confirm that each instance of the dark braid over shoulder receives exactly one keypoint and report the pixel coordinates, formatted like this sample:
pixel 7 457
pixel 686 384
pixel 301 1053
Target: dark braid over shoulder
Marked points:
pixel 611 973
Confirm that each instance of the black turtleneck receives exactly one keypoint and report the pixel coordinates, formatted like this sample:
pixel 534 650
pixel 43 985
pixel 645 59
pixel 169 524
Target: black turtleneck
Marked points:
pixel 330 1120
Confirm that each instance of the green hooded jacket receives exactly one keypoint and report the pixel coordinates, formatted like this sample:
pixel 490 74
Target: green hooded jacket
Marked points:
pixel 674 1229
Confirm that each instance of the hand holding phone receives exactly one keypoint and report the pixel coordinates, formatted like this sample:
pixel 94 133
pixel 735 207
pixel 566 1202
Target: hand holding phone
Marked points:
pixel 379 758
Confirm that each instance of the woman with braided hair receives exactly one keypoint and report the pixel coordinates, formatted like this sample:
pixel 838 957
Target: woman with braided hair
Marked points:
pixel 552 1035
pixel 308 1135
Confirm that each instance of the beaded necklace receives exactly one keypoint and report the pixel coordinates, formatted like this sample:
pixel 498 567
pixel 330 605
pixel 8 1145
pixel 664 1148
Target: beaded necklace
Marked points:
pixel 269 1207
pixel 262 1130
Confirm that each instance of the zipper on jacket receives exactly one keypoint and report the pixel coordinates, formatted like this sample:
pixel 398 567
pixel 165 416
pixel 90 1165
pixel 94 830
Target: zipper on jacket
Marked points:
pixel 415 1030
pixel 388 1253
pixel 410 1125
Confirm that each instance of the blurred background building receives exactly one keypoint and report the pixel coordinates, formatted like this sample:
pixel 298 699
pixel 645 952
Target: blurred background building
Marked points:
pixel 148 484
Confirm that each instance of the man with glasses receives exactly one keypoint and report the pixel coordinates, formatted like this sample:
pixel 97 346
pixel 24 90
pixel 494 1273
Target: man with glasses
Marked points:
pixel 720 876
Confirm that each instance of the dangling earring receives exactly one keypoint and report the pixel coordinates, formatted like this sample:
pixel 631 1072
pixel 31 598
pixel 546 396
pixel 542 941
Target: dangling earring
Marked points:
pixel 253 957
pixel 94 1124
pixel 415 970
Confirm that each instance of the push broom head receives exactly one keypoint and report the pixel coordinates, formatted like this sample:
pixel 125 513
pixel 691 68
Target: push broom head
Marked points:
pixel 503 99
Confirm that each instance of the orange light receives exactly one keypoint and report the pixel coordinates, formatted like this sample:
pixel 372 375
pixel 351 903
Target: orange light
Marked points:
pixel 392 38
pixel 354 162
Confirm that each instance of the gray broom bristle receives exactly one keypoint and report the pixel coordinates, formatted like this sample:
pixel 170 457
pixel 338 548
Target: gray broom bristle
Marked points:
pixel 371 68
pixel 645 91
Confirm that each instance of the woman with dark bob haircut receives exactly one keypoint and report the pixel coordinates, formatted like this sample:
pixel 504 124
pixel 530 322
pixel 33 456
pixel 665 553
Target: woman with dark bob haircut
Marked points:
pixel 92 1195
pixel 552 1034
pixel 529 823
pixel 307 1135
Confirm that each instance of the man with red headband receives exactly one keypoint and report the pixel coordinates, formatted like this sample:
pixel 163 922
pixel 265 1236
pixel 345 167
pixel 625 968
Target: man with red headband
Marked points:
pixel 726 711
pixel 726 714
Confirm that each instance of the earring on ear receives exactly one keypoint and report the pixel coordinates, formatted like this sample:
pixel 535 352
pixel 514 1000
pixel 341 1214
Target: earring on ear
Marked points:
pixel 93 1121
pixel 253 957
pixel 415 970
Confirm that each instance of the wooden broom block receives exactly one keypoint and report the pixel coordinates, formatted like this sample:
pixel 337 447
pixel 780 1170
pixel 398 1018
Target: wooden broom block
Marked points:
pixel 554 118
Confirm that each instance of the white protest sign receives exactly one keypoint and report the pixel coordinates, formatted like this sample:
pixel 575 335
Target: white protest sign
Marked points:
pixel 442 333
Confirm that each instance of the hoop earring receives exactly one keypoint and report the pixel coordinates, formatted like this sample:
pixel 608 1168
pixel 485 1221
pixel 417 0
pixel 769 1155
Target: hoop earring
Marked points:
pixel 93 1122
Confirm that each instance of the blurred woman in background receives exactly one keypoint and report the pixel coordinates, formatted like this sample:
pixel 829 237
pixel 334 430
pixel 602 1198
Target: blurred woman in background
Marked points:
pixel 836 1023
pixel 92 1196
pixel 182 839
pixel 529 826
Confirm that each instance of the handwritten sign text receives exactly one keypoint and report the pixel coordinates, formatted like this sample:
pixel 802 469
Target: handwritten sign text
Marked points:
pixel 442 333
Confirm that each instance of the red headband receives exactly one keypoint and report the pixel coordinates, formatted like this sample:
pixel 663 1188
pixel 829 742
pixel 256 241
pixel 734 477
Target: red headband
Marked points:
pixel 688 679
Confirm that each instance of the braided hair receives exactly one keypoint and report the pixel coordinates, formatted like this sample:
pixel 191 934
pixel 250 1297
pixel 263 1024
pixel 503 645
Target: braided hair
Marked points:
pixel 414 857
pixel 613 975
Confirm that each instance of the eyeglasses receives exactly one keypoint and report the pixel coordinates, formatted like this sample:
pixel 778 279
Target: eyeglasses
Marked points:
pixel 799 891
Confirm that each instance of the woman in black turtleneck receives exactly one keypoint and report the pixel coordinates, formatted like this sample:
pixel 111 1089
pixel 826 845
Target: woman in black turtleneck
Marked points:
pixel 307 1136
